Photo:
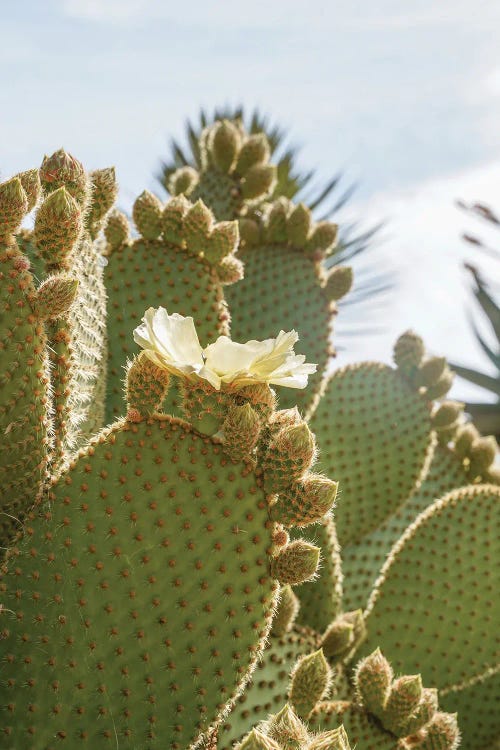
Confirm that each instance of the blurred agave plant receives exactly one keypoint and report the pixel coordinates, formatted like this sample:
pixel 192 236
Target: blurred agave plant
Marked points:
pixel 486 415
pixel 326 200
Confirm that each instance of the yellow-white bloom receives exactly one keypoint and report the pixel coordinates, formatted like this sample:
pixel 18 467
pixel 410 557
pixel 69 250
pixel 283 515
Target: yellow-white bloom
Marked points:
pixel 271 361
pixel 171 342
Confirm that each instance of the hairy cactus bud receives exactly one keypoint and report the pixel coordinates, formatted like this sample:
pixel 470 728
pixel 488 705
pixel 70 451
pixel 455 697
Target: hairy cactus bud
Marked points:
pixel 339 282
pixel 230 270
pixel 442 386
pixel 482 453
pixel 464 439
pixel 344 635
pixel 225 144
pixel 147 215
pixel 290 453
pixel 286 611
pixel 408 352
pixel 104 193
pixel 447 413
pixel 147 386
pixel 287 729
pixel 305 501
pixel 116 231
pixel 183 181
pixel 373 679
pixel 30 180
pixel 442 733
pixel 298 226
pixel 323 238
pixel 404 697
pixel 254 151
pixel 258 181
pixel 425 711
pixel 198 224
pixel 250 232
pixel 241 430
pixel 55 296
pixel 223 241
pixel 173 220
pixel 430 371
pixel 295 563
pixel 13 206
pixel 257 741
pixel 58 225
pixel 335 739
pixel 311 679
pixel 277 220
pixel 63 170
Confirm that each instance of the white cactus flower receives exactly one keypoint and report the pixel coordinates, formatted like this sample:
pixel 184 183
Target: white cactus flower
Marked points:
pixel 171 342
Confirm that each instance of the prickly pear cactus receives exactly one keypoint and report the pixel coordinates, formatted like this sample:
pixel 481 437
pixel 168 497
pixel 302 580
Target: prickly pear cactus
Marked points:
pixel 181 259
pixel 154 508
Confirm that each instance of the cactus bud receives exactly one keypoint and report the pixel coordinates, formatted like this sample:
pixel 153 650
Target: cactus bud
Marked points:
pixel 311 679
pixel 223 241
pixel 198 224
pixel 339 282
pixel 277 220
pixel 254 151
pixel 334 739
pixel 259 181
pixel 442 733
pixel 13 206
pixel 295 563
pixel 344 635
pixel 430 371
pixel 241 430
pixel 63 170
pixel 183 181
pixel 290 453
pixel 425 711
pixel 116 231
pixel 230 270
pixel 30 180
pixel 225 144
pixel 250 233
pixel 55 296
pixel 58 225
pixel 447 413
pixel 304 502
pixel 103 196
pixel 408 352
pixel 323 238
pixel 147 385
pixel 464 439
pixel 286 611
pixel 373 678
pixel 147 214
pixel 442 386
pixel 404 697
pixel 257 741
pixel 298 225
pixel 287 729
pixel 173 220
pixel 482 454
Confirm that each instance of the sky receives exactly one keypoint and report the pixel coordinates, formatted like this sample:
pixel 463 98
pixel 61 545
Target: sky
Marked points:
pixel 403 98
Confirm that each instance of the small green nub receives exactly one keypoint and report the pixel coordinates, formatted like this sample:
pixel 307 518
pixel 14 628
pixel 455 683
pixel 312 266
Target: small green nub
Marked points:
pixel 339 282
pixel 344 635
pixel 241 430
pixel 55 296
pixel 276 225
pixel 104 192
pixel 230 270
pixel 408 352
pixel 223 241
pixel 250 232
pixel 304 502
pixel 447 413
pixel 442 733
pixel 58 225
pixel 287 729
pixel 295 563
pixel 464 439
pixel 254 151
pixel 173 220
pixel 310 683
pixel 147 386
pixel 183 181
pixel 334 739
pixel 323 239
pixel 13 206
pixel 286 611
pixel 404 697
pixel 30 180
pixel 373 679
pixel 298 226
pixel 482 454
pixel 147 214
pixel 430 371
pixel 225 145
pixel 259 181
pixel 426 709
pixel 442 386
pixel 63 170
pixel 116 231
pixel 257 741
pixel 198 224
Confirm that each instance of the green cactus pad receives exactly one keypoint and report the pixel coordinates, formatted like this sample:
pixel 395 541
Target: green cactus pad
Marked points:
pixel 478 708
pixel 321 599
pixel 281 290
pixel 269 684
pixel 435 605
pixel 364 731
pixel 139 600
pixel 374 434
pixel 24 422
pixel 362 562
